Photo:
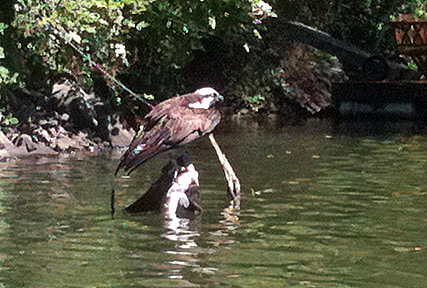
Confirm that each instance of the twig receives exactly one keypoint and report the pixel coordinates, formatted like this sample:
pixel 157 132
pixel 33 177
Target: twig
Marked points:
pixel 57 32
pixel 112 204
pixel 232 180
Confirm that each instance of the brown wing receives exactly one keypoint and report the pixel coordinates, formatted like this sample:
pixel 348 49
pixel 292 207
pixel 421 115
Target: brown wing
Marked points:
pixel 186 129
pixel 165 128
pixel 173 107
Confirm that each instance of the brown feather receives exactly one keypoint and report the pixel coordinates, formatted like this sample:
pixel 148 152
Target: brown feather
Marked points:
pixel 168 125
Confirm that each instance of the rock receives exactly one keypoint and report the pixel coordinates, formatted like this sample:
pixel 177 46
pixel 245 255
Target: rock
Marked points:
pixel 122 139
pixel 120 135
pixel 243 111
pixel 64 119
pixel 26 142
pixel 71 142
pixel 22 145
pixel 5 143
pixel 75 105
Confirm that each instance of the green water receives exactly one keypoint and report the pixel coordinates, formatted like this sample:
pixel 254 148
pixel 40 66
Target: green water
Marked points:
pixel 324 205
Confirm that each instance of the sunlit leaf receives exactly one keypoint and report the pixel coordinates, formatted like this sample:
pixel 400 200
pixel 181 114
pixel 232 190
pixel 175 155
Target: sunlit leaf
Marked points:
pixel 141 25
pixel 212 22
pixel 13 121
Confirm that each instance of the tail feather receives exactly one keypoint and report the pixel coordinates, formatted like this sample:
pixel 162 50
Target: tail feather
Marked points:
pixel 133 158
pixel 145 146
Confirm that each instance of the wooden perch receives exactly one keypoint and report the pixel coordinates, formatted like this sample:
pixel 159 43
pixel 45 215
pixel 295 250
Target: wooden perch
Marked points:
pixel 233 182
pixel 176 192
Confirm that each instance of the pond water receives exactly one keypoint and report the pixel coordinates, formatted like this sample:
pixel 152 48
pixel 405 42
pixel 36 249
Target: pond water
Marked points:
pixel 324 205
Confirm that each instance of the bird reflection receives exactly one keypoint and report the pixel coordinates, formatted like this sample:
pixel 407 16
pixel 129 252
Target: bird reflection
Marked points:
pixel 176 194
pixel 187 253
pixel 183 231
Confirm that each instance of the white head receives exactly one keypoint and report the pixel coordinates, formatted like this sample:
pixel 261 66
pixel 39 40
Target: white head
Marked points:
pixel 206 91
pixel 210 98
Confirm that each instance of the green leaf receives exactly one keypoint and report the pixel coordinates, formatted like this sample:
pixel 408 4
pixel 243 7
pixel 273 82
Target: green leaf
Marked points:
pixel 13 121
pixel 141 25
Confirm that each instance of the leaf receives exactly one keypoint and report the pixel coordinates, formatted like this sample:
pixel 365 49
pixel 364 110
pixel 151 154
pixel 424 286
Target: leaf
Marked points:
pixel 246 46
pixel 141 25
pixel 90 29
pixel 13 121
pixel 212 22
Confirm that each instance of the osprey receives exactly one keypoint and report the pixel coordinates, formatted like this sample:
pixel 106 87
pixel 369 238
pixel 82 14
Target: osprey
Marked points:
pixel 172 123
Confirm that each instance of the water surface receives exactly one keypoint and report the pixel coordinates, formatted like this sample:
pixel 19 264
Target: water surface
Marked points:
pixel 324 205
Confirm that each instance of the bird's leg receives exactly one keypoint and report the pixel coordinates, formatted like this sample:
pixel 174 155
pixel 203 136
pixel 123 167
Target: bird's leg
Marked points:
pixel 232 180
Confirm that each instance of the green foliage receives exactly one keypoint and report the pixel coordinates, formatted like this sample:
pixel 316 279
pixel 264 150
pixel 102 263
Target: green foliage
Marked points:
pixel 356 21
pixel 177 28
pixel 361 22
pixel 418 8
pixel 8 120
pixel 5 74
pixel 166 47
pixel 97 27
pixel 179 34
pixel 148 44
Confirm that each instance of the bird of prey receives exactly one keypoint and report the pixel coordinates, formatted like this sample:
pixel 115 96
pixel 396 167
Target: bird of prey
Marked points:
pixel 172 123
pixel 178 121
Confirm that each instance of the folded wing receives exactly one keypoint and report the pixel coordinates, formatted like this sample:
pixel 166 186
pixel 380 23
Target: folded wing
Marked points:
pixel 162 132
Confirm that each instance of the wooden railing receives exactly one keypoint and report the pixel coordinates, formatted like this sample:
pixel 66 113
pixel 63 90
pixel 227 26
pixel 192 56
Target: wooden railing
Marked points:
pixel 411 40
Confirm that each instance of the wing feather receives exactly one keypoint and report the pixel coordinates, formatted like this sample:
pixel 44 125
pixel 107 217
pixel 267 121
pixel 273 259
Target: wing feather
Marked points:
pixel 167 127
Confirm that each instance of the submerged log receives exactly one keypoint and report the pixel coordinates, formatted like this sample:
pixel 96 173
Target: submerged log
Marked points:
pixel 176 192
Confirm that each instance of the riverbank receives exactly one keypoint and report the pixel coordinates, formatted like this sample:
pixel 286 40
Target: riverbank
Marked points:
pixel 64 120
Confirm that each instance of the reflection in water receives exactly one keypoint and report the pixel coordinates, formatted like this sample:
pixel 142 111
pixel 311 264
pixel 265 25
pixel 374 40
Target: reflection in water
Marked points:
pixel 185 233
pixel 329 208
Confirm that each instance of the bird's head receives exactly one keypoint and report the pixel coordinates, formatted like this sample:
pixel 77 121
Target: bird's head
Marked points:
pixel 209 97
